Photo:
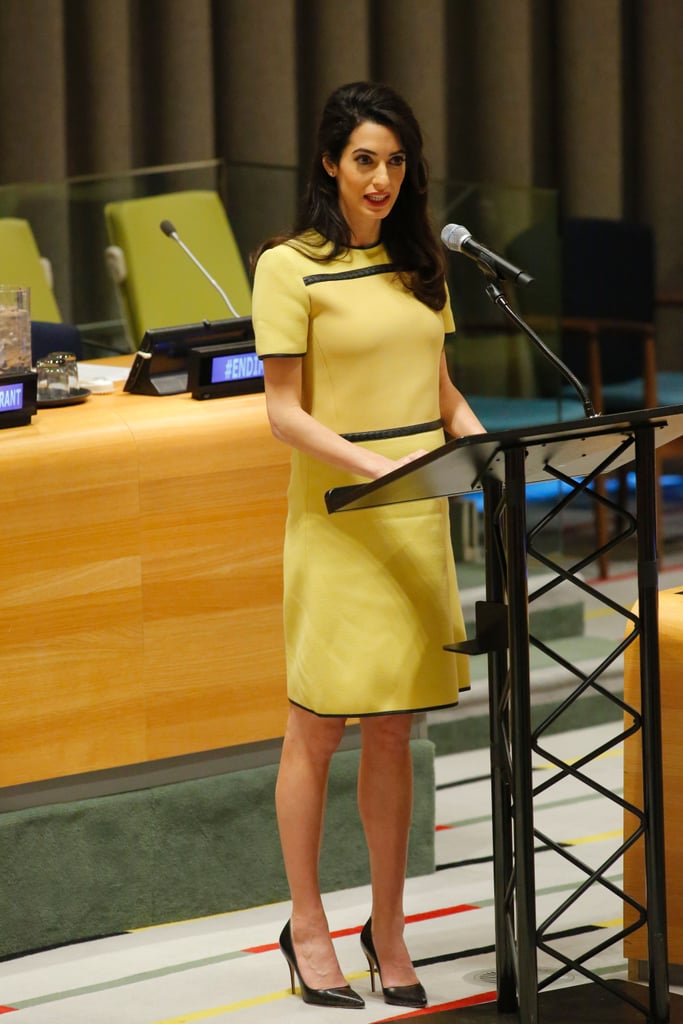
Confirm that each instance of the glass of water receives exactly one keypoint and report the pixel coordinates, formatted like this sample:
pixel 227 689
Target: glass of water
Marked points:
pixel 56 375
pixel 15 329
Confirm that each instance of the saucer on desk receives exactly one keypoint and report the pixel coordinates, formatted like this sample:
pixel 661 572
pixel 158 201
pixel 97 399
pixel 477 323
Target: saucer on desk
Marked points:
pixel 73 398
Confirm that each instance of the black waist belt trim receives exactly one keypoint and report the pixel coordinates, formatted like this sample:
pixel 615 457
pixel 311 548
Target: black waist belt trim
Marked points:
pixel 381 435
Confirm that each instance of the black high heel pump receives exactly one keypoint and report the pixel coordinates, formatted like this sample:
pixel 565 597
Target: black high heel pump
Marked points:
pixel 342 997
pixel 396 995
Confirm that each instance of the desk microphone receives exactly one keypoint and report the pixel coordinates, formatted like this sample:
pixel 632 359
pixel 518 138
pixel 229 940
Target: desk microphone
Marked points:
pixel 169 230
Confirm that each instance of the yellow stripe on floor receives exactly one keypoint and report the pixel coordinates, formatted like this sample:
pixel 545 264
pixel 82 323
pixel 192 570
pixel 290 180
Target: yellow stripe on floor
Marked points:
pixel 598 837
pixel 613 752
pixel 242 1004
pixel 599 613
pixel 174 924
pixel 217 1011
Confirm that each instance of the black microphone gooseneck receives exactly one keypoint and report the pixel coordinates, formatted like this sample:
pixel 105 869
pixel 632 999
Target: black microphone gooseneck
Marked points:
pixel 458 239
pixel 169 229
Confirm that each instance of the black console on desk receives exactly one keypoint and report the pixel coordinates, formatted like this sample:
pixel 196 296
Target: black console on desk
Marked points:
pixel 218 371
pixel 162 363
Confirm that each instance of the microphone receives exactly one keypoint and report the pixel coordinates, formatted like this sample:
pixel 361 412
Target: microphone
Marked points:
pixel 458 239
pixel 168 229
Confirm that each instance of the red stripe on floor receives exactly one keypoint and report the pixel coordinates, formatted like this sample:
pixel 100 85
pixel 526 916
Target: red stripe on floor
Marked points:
pixel 427 915
pixel 8 1009
pixel 261 949
pixel 483 997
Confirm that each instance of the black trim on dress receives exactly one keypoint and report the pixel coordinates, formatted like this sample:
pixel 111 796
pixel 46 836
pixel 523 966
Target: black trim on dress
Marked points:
pixel 349 275
pixel 283 355
pixel 381 435
pixel 376 714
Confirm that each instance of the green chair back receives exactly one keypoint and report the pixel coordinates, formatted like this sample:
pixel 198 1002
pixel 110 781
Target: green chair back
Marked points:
pixel 20 264
pixel 159 286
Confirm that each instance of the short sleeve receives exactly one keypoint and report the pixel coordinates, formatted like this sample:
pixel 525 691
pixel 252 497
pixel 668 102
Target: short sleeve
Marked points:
pixel 280 305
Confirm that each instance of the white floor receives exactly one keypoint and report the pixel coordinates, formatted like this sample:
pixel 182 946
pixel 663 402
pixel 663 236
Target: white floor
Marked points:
pixel 228 967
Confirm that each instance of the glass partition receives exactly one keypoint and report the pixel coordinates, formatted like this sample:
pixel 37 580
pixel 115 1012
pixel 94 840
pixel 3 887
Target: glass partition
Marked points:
pixel 262 201
pixel 508 381
pixel 494 364
pixel 67 219
pixel 487 358
pixel 94 303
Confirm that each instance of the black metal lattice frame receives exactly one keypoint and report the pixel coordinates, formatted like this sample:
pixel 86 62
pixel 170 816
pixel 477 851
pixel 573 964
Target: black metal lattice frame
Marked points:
pixel 508 546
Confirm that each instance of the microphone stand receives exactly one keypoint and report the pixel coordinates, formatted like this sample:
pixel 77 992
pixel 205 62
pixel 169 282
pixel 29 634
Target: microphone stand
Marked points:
pixel 169 230
pixel 497 297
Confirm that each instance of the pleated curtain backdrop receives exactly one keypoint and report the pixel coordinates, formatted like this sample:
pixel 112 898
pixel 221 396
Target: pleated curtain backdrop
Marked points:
pixel 585 96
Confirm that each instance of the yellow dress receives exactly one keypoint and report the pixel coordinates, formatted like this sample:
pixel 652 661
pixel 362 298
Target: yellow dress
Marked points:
pixel 370 596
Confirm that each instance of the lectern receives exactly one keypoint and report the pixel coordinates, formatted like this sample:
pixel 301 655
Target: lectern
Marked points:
pixel 501 465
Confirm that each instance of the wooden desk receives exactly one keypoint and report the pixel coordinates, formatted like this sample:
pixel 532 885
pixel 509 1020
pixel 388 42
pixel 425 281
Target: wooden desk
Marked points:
pixel 671 658
pixel 140 606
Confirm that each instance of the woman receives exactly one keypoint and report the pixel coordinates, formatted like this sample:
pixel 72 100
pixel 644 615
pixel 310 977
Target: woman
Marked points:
pixel 350 312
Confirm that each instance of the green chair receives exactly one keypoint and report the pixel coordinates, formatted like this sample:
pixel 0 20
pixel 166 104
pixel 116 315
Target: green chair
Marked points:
pixel 22 264
pixel 157 283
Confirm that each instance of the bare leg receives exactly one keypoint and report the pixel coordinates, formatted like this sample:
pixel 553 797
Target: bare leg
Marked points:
pixel 385 800
pixel 309 743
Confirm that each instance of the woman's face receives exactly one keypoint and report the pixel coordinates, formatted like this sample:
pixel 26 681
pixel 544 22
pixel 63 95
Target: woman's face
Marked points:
pixel 369 176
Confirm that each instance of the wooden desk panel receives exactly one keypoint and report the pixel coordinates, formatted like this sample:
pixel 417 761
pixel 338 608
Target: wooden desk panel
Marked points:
pixel 70 604
pixel 671 657
pixel 141 601
pixel 213 528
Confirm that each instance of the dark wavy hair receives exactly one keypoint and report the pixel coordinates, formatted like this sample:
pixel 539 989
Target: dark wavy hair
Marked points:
pixel 406 231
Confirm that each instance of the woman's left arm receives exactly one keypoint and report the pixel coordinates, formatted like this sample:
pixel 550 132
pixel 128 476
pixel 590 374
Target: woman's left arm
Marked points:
pixel 456 415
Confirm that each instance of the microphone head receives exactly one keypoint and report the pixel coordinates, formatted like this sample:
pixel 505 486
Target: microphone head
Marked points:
pixel 454 236
pixel 168 228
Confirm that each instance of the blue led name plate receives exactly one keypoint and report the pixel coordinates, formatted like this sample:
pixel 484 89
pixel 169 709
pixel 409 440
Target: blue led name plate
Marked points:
pixel 221 371
pixel 11 397
pixel 241 366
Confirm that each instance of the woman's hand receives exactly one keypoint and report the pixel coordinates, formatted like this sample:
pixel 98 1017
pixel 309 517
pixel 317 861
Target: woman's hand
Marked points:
pixel 291 424
pixel 392 464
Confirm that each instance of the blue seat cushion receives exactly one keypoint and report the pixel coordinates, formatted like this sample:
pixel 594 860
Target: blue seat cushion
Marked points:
pixel 502 413
pixel 51 337
pixel 629 394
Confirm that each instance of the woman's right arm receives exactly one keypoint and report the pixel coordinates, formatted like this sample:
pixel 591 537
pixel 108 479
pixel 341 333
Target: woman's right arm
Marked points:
pixel 291 424
pixel 281 310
